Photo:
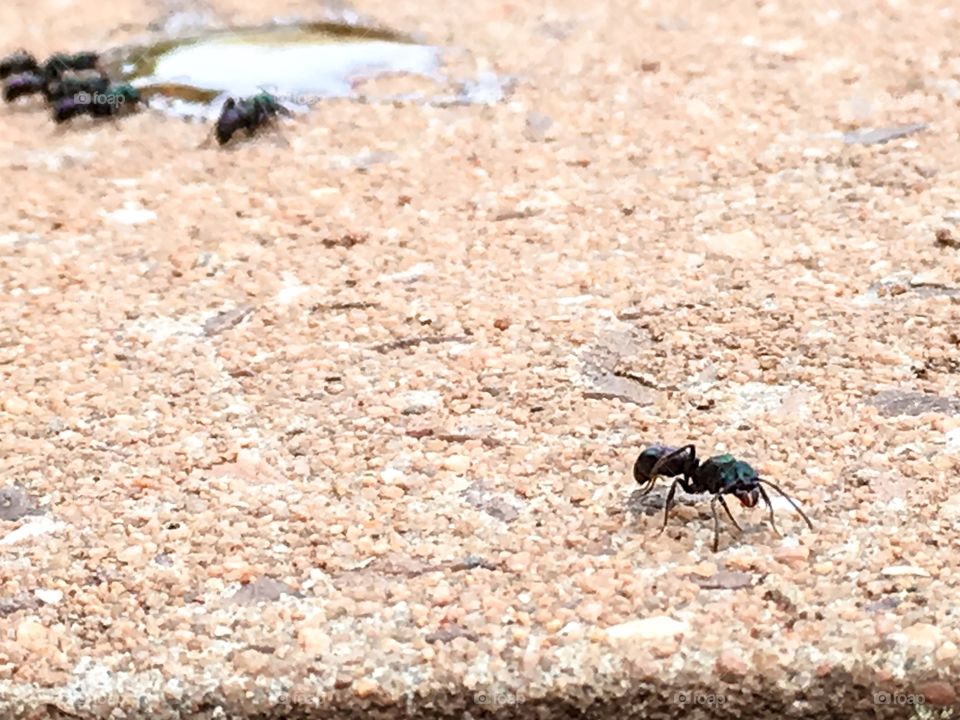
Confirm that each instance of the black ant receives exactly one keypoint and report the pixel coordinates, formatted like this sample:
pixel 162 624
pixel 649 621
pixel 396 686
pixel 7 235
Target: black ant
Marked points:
pixel 248 114
pixel 31 83
pixel 55 66
pixel 101 104
pixel 19 62
pixel 74 87
pixel 719 475
pixel 22 84
pixel 54 79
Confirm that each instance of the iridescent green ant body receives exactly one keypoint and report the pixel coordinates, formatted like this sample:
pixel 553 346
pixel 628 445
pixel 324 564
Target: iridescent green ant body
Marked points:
pixel 719 475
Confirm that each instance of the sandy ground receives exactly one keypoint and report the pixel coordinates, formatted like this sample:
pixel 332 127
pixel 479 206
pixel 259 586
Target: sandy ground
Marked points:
pixel 344 426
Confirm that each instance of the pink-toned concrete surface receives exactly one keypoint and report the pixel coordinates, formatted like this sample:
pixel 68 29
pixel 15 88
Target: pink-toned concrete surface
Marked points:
pixel 343 424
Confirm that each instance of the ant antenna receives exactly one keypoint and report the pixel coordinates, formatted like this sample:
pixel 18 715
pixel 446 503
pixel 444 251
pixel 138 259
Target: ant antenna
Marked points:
pixel 789 500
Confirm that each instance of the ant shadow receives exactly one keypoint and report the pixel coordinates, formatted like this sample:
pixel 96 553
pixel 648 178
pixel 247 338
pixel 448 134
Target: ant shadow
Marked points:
pixel 270 132
pixel 81 124
pixel 66 128
pixel 652 504
pixel 22 108
pixel 237 144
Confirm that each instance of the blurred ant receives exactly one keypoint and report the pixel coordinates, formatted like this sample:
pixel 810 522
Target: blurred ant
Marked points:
pixel 73 86
pixel 249 114
pixel 23 84
pixel 58 63
pixel 111 102
pixel 18 62
pixel 25 76
pixel 31 83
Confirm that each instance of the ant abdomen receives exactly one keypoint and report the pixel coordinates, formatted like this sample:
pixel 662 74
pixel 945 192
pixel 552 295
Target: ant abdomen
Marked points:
pixel 648 459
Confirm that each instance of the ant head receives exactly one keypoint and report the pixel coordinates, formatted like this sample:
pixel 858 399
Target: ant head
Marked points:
pixel 742 481
pixel 127 92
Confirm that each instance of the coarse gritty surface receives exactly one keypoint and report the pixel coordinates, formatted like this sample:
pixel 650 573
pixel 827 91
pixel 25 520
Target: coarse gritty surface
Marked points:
pixel 342 424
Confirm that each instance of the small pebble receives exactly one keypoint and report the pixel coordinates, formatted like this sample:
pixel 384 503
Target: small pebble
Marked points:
pixel 49 597
pixel 32 528
pixel 364 687
pixel 15 405
pixel 314 641
pixel 458 464
pixel 938 692
pixel 793 555
pixel 32 635
pixel 922 637
pixel 652 628
pixel 947 651
pixel 730 663
pixel 899 570
pixel 131 214
pixel 252 662
pixel 442 594
pixel 742 244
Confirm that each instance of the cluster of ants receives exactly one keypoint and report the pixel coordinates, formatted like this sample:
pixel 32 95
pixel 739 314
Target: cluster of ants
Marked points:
pixel 72 84
pixel 75 85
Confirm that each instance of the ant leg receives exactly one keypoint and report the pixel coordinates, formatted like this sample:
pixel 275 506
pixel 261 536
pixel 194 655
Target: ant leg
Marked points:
pixel 268 123
pixel 649 486
pixel 209 138
pixel 789 500
pixel 766 499
pixel 278 133
pixel 729 514
pixel 654 471
pixel 666 509
pixel 716 522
